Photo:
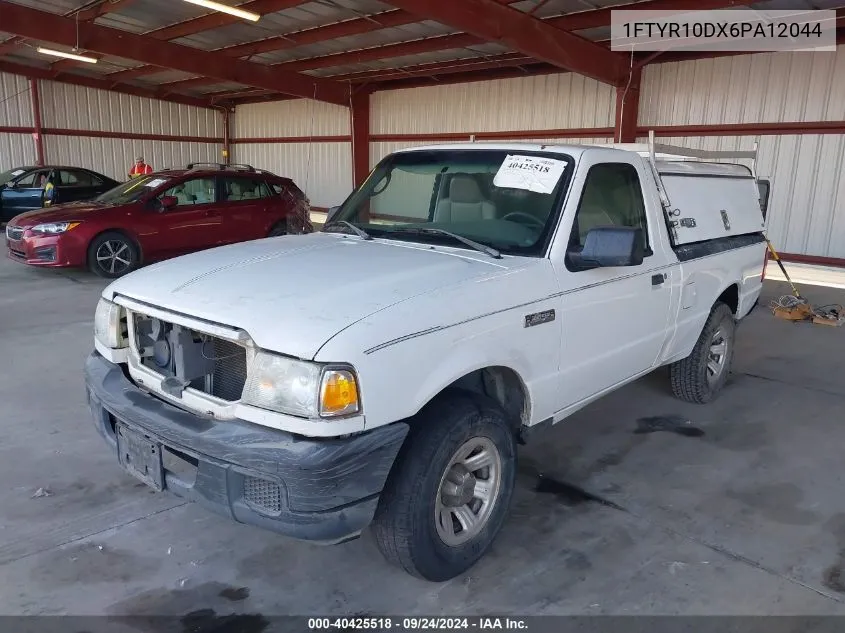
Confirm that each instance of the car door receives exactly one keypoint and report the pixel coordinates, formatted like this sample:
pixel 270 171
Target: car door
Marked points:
pixel 615 320
pixel 26 193
pixel 193 224
pixel 76 184
pixel 245 207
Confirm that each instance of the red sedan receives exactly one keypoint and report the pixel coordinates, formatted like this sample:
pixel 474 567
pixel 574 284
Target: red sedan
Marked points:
pixel 156 217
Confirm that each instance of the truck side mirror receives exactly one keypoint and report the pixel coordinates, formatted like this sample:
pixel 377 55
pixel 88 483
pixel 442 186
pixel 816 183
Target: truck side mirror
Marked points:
pixel 609 246
pixel 332 212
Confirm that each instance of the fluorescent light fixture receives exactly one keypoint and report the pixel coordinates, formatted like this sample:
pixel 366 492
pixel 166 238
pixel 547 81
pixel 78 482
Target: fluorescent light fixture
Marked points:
pixel 79 58
pixel 224 8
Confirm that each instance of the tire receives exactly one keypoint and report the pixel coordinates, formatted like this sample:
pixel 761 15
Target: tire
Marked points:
pixel 408 524
pixel 104 246
pixel 278 229
pixel 700 377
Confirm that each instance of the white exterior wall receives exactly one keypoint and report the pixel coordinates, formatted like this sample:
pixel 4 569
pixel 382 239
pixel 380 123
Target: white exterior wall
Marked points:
pixel 543 102
pixel 70 107
pixel 807 198
pixel 322 168
pixel 763 88
pixel 79 108
pixel 16 149
pixel 114 156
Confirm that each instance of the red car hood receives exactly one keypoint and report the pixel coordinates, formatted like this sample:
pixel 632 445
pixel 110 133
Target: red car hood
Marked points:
pixel 60 213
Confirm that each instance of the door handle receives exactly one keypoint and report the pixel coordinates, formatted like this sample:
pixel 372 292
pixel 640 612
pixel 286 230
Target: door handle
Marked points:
pixel 658 279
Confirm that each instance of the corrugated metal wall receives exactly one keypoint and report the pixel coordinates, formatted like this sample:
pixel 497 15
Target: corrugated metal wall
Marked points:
pixel 807 200
pixel 295 118
pixel 15 111
pixel 77 109
pixel 80 108
pixel 560 101
pixel 114 156
pixel 322 168
pixel 763 88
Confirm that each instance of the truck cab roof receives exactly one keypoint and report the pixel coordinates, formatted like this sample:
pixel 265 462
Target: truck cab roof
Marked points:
pixel 665 161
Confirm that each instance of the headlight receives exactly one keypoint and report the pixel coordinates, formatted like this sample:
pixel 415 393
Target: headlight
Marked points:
pixel 300 388
pixel 54 228
pixel 108 328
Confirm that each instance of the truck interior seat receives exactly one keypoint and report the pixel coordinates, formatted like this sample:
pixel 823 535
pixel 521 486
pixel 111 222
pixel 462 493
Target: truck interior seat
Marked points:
pixel 465 203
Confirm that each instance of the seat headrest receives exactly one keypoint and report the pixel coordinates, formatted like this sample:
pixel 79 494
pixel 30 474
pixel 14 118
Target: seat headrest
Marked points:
pixel 464 188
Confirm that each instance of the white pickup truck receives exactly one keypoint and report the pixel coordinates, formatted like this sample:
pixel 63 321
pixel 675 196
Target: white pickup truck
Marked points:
pixel 382 372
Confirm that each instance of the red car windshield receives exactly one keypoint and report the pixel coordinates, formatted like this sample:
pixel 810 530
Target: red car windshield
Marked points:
pixel 132 191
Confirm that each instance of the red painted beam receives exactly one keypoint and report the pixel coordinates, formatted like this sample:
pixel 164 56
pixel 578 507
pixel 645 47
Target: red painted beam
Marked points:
pixel 102 84
pixel 359 118
pixel 357 26
pixel 31 23
pixel 526 34
pixel 627 108
pixel 216 19
pixel 595 18
pixel 208 22
pixel 37 132
pixel 7 46
pixel 107 6
pixel 438 69
pixel 132 136
pixel 415 47
pixel 535 68
pixel 747 129
pixel 132 73
pixel 509 135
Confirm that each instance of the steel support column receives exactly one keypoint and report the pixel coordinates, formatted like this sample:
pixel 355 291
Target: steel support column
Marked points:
pixel 627 108
pixel 37 131
pixel 359 117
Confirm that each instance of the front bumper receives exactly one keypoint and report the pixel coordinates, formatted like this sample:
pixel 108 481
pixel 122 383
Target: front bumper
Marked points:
pixel 46 250
pixel 316 490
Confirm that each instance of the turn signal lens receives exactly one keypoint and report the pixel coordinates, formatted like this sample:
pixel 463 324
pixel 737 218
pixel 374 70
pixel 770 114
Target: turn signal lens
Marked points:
pixel 338 393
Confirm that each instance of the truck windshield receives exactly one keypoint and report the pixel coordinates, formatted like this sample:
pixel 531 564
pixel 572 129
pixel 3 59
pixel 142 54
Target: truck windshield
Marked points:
pixel 508 200
pixel 131 191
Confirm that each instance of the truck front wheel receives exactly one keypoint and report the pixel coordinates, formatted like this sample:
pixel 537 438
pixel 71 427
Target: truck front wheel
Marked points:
pixel 450 489
pixel 700 377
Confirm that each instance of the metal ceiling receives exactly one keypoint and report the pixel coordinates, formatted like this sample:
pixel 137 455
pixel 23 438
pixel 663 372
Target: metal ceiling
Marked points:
pixel 279 31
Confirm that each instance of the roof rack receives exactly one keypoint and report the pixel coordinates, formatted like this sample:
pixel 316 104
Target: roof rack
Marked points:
pixel 222 166
pixel 653 150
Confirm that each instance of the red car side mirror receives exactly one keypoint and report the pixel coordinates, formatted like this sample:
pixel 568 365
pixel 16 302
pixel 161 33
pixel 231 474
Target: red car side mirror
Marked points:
pixel 168 202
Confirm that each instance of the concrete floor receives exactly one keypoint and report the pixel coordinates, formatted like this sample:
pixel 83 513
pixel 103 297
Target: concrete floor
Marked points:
pixel 741 512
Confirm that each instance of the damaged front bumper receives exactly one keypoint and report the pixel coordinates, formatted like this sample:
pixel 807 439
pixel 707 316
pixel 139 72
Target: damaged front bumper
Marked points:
pixel 322 490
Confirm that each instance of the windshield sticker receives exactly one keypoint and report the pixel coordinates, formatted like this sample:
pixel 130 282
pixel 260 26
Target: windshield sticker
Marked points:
pixel 155 182
pixel 533 173
pixel 18 172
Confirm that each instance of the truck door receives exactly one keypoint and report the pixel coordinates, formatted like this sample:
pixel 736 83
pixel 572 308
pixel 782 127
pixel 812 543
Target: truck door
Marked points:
pixel 614 320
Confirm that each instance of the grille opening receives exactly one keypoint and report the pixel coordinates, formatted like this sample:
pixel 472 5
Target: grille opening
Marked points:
pixel 262 495
pixel 206 363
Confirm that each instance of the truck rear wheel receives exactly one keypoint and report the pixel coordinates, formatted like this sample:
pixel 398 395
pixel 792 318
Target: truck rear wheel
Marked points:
pixel 700 377
pixel 448 494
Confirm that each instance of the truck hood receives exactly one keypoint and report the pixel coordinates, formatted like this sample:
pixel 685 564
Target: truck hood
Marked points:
pixel 70 211
pixel 292 294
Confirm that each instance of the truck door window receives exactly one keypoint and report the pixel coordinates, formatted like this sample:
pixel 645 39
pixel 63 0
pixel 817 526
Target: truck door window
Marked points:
pixel 612 196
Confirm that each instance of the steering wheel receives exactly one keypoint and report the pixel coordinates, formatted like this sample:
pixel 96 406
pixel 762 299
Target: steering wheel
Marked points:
pixel 524 216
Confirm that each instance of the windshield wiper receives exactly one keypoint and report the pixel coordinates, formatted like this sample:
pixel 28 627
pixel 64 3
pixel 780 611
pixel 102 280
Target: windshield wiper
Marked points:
pixel 355 229
pixel 487 250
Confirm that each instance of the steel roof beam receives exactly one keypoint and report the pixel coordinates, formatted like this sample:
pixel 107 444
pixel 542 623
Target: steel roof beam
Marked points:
pixel 31 23
pixel 521 32
pixel 102 84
